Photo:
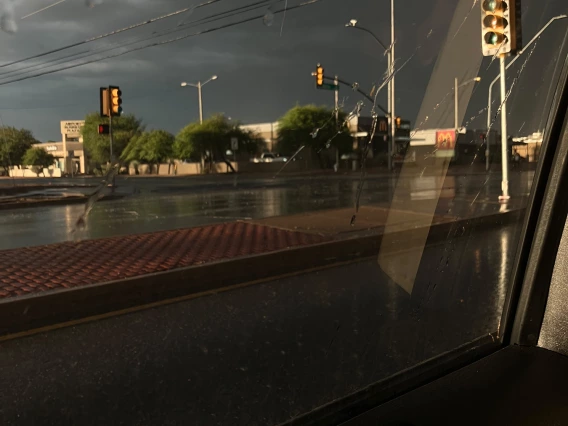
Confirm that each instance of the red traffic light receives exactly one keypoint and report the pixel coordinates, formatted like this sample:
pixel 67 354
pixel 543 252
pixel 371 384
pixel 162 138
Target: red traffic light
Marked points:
pixel 103 129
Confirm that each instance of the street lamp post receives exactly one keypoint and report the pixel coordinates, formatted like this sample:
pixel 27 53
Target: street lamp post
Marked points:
pixel 390 86
pixel 456 98
pixel 199 85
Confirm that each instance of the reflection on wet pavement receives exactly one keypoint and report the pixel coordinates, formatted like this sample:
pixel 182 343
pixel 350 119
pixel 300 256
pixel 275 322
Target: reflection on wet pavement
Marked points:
pixel 162 204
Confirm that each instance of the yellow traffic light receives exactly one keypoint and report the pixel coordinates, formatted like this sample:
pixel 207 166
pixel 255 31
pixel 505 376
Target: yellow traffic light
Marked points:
pixel 500 25
pixel 398 122
pixel 319 76
pixel 115 101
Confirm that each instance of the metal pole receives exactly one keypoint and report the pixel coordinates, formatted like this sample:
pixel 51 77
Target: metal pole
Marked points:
pixel 110 137
pixel 536 36
pixel 201 122
pixel 389 102
pixel 456 106
pixel 393 96
pixel 110 124
pixel 200 103
pixel 504 151
pixel 336 82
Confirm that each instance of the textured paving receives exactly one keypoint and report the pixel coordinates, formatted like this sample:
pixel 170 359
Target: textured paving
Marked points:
pixel 72 264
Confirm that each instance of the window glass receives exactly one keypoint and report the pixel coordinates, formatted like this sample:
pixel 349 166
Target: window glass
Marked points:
pixel 344 193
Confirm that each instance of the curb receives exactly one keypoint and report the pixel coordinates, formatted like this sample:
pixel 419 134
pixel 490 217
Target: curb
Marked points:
pixel 55 202
pixel 36 311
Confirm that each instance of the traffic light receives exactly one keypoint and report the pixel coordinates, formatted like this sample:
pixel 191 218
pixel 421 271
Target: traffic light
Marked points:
pixel 500 27
pixel 103 129
pixel 319 76
pixel 397 121
pixel 115 101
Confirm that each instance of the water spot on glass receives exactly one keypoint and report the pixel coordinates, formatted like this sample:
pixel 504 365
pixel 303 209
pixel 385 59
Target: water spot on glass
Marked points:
pixel 93 3
pixel 268 18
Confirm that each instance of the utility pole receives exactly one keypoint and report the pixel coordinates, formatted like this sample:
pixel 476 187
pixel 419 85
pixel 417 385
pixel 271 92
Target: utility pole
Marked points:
pixel 336 91
pixel 392 92
pixel 504 148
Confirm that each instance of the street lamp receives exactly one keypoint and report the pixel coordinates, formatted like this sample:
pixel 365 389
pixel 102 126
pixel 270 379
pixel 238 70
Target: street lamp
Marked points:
pixel 456 87
pixel 199 85
pixel 390 59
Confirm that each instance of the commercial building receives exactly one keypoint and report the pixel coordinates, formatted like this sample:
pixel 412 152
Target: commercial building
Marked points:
pixel 69 153
pixel 267 131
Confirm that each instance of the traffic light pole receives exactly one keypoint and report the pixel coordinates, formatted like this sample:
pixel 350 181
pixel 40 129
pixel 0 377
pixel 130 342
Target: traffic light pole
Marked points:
pixel 110 136
pixel 536 36
pixel 336 91
pixel 504 148
pixel 110 124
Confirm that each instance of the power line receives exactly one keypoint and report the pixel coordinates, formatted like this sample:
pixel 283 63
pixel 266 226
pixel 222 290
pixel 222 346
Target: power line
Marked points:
pixel 121 30
pixel 210 30
pixel 91 52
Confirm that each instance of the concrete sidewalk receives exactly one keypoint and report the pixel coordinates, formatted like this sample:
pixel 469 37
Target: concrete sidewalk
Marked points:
pixel 409 215
pixel 337 222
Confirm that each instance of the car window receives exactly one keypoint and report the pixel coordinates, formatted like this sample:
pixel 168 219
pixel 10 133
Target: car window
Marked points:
pixel 132 140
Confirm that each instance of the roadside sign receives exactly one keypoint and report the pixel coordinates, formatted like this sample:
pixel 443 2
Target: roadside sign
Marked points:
pixel 234 144
pixel 329 86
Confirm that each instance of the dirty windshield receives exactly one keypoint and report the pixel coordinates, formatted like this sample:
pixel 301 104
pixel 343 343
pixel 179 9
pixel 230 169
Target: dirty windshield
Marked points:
pixel 234 212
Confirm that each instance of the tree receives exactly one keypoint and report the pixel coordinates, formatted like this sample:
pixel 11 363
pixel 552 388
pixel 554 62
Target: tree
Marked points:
pixel 151 148
pixel 38 159
pixel 212 139
pixel 13 145
pixel 315 128
pixel 124 129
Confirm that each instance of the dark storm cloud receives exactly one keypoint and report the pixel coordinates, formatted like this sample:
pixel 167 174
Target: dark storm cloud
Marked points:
pixel 261 74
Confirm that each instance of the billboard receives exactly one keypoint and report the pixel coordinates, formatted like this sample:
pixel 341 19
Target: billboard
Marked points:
pixel 446 140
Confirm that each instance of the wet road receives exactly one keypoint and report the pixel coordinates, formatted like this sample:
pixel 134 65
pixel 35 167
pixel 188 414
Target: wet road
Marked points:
pixel 262 354
pixel 155 204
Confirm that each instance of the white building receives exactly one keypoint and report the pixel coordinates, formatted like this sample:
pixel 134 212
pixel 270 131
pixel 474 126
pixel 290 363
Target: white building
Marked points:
pixel 69 153
pixel 267 131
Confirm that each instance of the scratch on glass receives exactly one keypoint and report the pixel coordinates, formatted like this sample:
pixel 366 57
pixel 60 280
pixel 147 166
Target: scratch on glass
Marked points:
pixel 465 19
pixel 289 161
pixel 95 196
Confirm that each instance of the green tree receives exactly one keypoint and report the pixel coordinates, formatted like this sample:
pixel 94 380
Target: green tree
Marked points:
pixel 313 127
pixel 213 137
pixel 125 129
pixel 152 147
pixel 13 145
pixel 38 159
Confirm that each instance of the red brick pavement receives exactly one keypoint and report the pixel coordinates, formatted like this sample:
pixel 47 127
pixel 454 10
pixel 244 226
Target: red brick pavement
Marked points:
pixel 73 264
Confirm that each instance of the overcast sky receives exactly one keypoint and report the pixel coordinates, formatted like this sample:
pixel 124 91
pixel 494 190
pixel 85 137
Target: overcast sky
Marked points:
pixel 263 70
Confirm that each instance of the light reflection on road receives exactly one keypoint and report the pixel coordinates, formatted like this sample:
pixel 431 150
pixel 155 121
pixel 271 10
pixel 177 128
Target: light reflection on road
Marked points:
pixel 162 204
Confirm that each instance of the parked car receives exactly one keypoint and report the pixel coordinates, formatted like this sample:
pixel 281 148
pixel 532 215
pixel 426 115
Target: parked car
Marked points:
pixel 269 157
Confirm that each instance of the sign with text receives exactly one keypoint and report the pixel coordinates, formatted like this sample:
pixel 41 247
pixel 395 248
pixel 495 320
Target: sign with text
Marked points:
pixel 446 139
pixel 72 128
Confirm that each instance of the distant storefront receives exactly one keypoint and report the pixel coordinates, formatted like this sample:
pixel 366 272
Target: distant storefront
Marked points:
pixel 69 154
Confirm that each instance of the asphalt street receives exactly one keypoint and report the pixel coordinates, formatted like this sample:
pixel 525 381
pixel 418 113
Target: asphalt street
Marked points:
pixel 161 203
pixel 262 354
